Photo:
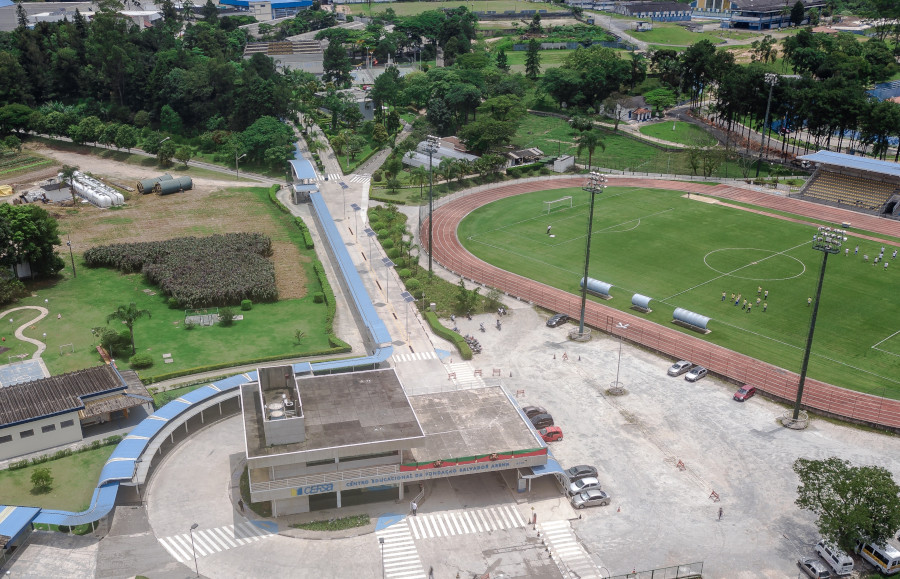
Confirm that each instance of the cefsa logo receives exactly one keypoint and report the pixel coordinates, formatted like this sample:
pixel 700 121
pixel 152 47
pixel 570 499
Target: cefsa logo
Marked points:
pixel 315 489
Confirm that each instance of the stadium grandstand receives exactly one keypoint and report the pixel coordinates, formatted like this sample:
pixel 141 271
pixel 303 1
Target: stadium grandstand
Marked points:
pixel 851 182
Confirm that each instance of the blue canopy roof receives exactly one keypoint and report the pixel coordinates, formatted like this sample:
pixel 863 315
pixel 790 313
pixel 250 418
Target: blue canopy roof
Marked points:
pixel 14 520
pixel 302 169
pixel 854 162
pixel 279 3
pixel 4 4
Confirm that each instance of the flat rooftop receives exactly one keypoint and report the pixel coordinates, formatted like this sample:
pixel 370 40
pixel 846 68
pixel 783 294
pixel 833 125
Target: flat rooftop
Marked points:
pixel 340 410
pixel 468 423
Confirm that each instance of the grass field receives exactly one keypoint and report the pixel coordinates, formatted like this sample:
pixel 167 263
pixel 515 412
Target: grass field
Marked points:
pixel 679 132
pixel 412 8
pixel 674 34
pixel 549 59
pixel 685 253
pixel 75 478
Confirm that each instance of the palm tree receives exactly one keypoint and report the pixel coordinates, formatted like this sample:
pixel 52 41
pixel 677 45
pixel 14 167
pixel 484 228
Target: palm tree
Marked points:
pixel 419 176
pixel 589 140
pixel 128 316
pixel 68 173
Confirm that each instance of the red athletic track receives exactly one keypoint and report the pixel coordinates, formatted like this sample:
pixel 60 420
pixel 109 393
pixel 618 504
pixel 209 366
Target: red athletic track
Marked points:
pixel 777 382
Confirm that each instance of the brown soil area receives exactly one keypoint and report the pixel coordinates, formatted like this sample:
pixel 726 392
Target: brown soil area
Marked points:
pixel 205 210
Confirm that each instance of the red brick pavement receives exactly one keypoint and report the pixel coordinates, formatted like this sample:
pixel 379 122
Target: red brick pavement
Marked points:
pixel 777 382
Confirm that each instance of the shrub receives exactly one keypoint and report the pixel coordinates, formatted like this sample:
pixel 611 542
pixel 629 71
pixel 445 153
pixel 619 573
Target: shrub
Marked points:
pixel 41 479
pixel 404 273
pixel 226 317
pixel 173 303
pixel 413 285
pixel 246 305
pixel 318 297
pixel 394 252
pixel 464 350
pixel 189 325
pixel 385 236
pixel 141 361
pixel 376 176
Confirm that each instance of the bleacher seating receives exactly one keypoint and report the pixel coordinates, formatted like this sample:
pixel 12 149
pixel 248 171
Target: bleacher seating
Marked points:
pixel 284 47
pixel 849 190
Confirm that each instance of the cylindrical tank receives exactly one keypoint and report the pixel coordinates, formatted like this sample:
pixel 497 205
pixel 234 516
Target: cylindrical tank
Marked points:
pixel 595 286
pixel 173 186
pixel 145 186
pixel 186 183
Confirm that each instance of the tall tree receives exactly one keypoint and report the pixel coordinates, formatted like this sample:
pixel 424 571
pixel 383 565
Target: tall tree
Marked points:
pixel 336 64
pixel 128 315
pixel 797 13
pixel 502 61
pixel 533 60
pixel 68 173
pixel 590 140
pixel 852 502
pixel 29 234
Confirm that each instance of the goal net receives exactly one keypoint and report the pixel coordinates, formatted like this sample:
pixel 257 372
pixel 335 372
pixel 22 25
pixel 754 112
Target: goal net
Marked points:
pixel 557 203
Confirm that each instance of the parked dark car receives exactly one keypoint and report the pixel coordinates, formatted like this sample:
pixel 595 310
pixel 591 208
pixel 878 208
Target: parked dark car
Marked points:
pixel 542 420
pixel 744 392
pixel 557 320
pixel 581 471
pixel 532 411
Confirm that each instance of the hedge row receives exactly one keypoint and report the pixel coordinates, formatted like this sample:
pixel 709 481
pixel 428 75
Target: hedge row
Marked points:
pixel 198 369
pixel 19 464
pixel 304 230
pixel 329 294
pixel 464 350
pixel 273 197
pixel 524 170
pixel 386 199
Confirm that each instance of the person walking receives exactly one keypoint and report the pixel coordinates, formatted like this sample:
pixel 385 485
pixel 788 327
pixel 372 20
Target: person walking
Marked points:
pixel 856 251
pixel 808 302
pixel 866 258
pixel 894 255
pixel 549 227
pixel 766 295
pixel 241 504
pixel 765 306
pixel 885 265
pixel 757 301
pixel 415 507
pixel 723 296
pixel 732 296
pixel 759 290
pixel 750 307
pixel 847 252
pixel 744 305
pixel 720 513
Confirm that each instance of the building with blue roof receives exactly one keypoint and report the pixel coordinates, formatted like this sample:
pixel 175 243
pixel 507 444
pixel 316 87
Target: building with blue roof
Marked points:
pixel 269 9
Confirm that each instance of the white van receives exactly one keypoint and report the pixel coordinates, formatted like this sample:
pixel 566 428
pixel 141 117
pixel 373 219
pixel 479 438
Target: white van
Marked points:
pixel 836 559
pixel 885 557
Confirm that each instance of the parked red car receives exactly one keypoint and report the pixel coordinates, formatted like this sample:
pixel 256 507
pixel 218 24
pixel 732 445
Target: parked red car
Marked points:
pixel 746 391
pixel 551 433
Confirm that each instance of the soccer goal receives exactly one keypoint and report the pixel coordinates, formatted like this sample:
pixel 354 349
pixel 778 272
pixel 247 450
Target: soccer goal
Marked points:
pixel 561 202
pixel 70 348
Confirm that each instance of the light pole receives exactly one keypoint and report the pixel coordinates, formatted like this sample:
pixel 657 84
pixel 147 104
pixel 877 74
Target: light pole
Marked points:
pixel 344 198
pixel 595 185
pixel 772 79
pixel 196 567
pixel 828 241
pixel 72 257
pixel 368 231
pixel 237 169
pixel 431 146
pixel 381 542
pixel 623 327
pixel 408 298
pixel 388 264
pixel 356 209
pixel 138 481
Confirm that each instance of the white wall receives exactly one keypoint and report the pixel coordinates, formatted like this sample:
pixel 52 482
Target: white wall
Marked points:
pixel 39 440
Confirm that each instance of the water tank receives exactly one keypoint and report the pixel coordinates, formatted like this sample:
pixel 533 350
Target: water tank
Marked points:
pixel 173 186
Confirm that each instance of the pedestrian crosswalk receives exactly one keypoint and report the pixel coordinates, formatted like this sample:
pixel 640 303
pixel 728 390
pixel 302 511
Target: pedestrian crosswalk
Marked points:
pixel 360 178
pixel 449 523
pixel 331 177
pixel 209 541
pixel 464 376
pixel 414 357
pixel 562 543
pixel 398 553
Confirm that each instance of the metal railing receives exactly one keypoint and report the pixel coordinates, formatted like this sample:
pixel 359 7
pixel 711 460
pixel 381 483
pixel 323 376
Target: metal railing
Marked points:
pixel 685 571
pixel 325 477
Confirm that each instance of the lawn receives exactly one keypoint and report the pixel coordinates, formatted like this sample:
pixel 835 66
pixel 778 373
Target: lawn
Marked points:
pixel 679 132
pixel 549 59
pixel 84 301
pixel 75 478
pixel 412 8
pixel 674 34
pixel 646 241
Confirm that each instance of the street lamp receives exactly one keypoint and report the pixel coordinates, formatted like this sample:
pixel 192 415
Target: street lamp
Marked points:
pixel 356 209
pixel 368 231
pixel 772 79
pixel 828 241
pixel 196 567
pixel 408 298
pixel 381 542
pixel 344 197
pixel 595 185
pixel 623 327
pixel 431 145
pixel 237 170
pixel 72 257
pixel 388 264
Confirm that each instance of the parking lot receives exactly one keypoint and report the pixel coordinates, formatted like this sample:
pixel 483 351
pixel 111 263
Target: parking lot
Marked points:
pixel 660 514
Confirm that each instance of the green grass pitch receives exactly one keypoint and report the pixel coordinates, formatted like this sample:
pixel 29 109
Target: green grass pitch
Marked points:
pixel 686 252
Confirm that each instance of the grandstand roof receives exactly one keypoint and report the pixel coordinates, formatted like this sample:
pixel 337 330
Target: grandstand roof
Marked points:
pixel 854 162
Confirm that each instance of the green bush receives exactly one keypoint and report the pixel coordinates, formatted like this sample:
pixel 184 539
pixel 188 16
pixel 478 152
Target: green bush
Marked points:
pixel 376 176
pixel 189 325
pixel 226 317
pixel 329 295
pixel 173 303
pixel 404 273
pixel 273 192
pixel 246 305
pixel 464 350
pixel 318 297
pixel 413 285
pixel 394 252
pixel 304 231
pixel 141 361
pixel 384 236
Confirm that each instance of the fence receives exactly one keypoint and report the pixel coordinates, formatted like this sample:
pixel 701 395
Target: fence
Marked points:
pixel 776 382
pixel 677 572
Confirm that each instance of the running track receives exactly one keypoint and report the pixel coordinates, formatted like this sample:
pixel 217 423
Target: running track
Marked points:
pixel 777 382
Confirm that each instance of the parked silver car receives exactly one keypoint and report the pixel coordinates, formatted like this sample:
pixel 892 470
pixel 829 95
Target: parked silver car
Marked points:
pixel 585 484
pixel 592 498
pixel 814 568
pixel 679 368
pixel 695 374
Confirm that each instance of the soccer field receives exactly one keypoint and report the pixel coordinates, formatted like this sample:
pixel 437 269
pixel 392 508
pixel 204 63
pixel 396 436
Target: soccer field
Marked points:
pixel 685 252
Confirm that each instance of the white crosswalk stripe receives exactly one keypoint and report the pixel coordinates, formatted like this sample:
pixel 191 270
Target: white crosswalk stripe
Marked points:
pixel 414 357
pixel 401 559
pixel 209 541
pixel 450 523
pixel 360 178
pixel 561 540
pixel 463 375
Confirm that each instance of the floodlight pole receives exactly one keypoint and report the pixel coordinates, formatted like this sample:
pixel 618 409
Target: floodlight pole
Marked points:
pixel 827 241
pixel 772 79
pixel 595 185
pixel 72 257
pixel 622 327
pixel 432 146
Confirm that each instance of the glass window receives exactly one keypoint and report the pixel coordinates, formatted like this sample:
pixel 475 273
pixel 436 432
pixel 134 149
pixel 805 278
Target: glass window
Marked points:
pixel 7 438
pixel 48 428
pixel 67 423
pixel 26 433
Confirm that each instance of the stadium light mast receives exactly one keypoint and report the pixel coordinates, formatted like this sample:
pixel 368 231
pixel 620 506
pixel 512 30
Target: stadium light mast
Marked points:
pixel 595 185
pixel 828 241
pixel 432 144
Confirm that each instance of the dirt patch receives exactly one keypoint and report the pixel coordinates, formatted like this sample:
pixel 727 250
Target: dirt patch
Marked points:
pixel 207 209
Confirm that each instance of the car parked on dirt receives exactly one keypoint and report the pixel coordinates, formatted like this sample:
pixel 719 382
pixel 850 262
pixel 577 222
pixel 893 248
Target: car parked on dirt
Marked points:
pixel 532 411
pixel 679 368
pixel 592 498
pixel 744 393
pixel 542 420
pixel 584 484
pixel 695 374
pixel 557 320
pixel 551 433
pixel 581 471
pixel 814 568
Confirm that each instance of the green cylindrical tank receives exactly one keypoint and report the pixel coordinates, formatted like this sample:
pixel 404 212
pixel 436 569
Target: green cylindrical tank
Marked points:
pixel 173 186
pixel 147 185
